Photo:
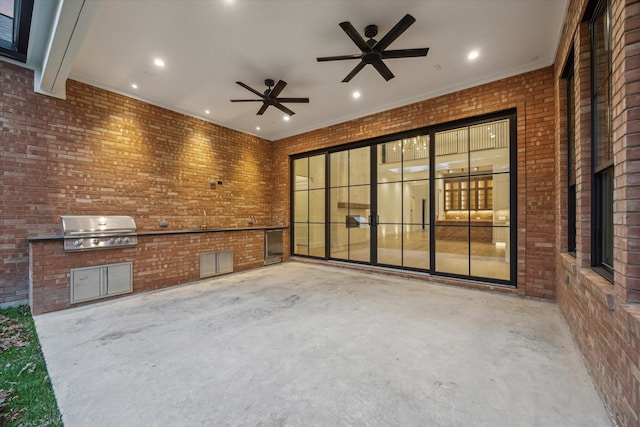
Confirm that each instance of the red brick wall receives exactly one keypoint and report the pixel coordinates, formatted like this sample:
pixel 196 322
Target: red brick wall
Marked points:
pixel 100 152
pixel 532 95
pixel 604 316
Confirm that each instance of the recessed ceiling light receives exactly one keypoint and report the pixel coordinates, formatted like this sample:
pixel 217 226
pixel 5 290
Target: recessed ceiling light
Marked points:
pixel 133 85
pixel 158 62
pixel 474 54
pixel 286 118
pixel 356 94
pixel 228 1
pixel 257 127
pixel 207 112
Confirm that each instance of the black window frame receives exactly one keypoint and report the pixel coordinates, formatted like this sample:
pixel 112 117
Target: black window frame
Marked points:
pixel 570 111
pixel 17 48
pixel 602 171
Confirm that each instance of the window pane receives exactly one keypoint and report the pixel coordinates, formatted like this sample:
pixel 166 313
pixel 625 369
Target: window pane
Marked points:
pixel 339 241
pixel 606 186
pixel 416 202
pixel 316 240
pixel 390 202
pixel 452 249
pixel 604 149
pixel 6 21
pixel 359 166
pixel 301 239
pixel 301 206
pixel 415 163
pixel 316 171
pixel 339 169
pixel 316 206
pixel 489 252
pixel 301 174
pixel 415 246
pixel 390 244
pixel 339 204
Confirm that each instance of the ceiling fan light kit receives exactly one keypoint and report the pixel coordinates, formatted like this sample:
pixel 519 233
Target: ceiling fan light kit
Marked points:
pixel 372 53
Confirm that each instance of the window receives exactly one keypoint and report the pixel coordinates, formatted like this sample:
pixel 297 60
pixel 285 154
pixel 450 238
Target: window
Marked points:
pixel 15 24
pixel 571 154
pixel 602 141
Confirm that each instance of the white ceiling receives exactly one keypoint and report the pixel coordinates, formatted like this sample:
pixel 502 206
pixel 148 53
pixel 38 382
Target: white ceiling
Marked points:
pixel 209 45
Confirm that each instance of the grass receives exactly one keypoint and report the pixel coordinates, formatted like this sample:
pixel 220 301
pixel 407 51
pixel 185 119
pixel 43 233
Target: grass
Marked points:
pixel 26 395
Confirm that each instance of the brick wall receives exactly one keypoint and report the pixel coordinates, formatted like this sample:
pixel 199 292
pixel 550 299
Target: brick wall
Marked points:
pixel 604 317
pixel 98 152
pixel 532 95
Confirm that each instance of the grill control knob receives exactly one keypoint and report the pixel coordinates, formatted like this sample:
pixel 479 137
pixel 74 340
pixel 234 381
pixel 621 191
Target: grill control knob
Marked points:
pixel 125 240
pixel 94 241
pixel 110 241
pixel 118 240
pixel 77 243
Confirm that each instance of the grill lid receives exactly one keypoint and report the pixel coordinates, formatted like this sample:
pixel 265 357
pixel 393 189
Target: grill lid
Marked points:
pixel 96 225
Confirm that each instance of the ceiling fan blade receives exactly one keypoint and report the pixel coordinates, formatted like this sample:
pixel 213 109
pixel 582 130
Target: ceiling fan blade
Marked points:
pixel 404 53
pixel 296 100
pixel 246 100
pixel 277 89
pixel 353 72
pixel 283 109
pixel 383 70
pixel 395 32
pixel 262 109
pixel 353 35
pixel 251 89
pixel 339 58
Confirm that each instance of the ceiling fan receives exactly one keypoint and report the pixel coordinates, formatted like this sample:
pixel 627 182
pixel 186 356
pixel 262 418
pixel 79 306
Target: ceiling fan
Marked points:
pixel 270 97
pixel 373 52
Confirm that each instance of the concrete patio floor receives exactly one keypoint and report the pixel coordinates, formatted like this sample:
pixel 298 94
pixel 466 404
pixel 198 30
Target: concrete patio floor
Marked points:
pixel 309 345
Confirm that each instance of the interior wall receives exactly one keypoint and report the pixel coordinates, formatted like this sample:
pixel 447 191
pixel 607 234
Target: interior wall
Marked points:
pixel 98 152
pixel 603 316
pixel 531 95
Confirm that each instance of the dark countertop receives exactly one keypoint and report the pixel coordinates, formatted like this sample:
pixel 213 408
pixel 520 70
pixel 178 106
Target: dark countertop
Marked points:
pixel 169 232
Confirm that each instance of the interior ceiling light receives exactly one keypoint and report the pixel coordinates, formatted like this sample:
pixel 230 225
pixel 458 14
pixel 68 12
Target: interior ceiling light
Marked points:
pixel 356 94
pixel 133 85
pixel 158 62
pixel 257 127
pixel 207 112
pixel 286 118
pixel 474 54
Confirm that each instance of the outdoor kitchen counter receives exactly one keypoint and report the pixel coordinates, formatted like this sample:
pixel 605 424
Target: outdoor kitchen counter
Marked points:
pixel 161 259
pixel 162 232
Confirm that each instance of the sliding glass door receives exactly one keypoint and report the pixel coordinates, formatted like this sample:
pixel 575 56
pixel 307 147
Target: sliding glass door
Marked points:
pixel 438 201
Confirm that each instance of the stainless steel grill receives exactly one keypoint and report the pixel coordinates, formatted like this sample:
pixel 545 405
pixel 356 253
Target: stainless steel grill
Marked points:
pixel 86 232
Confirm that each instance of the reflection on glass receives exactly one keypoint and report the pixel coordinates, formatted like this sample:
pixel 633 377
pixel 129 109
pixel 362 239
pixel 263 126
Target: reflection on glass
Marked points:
pixel 415 252
pixel 452 249
pixel 416 202
pixel 489 252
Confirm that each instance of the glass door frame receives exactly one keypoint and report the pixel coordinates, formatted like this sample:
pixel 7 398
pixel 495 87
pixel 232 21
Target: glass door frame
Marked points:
pixel 430 131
